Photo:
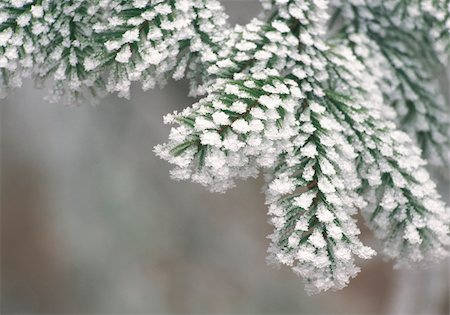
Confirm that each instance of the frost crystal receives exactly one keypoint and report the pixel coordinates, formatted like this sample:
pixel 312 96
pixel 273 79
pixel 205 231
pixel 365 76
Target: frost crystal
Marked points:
pixel 339 122
pixel 314 229
pixel 220 139
pixel 404 48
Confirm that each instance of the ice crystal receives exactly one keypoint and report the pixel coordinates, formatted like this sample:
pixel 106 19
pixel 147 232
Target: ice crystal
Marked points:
pixel 337 104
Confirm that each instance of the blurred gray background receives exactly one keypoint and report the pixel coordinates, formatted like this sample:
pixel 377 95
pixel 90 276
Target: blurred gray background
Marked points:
pixel 92 224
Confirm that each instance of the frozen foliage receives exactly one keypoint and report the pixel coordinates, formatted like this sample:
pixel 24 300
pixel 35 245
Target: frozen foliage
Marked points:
pixel 410 41
pixel 49 39
pixel 311 196
pixel 17 37
pixel 316 111
pixel 405 211
pixel 240 127
pixel 149 40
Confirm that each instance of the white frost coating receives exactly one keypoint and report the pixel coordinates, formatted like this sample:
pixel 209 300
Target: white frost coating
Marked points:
pixel 222 124
pixel 382 38
pixel 316 113
pixel 404 204
pixel 314 231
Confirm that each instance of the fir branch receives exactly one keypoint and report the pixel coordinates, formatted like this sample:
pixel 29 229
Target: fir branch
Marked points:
pixel 311 207
pixel 408 40
pixel 317 113
pixel 240 127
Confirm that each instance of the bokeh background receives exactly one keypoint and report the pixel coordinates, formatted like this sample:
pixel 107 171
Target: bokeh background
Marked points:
pixel 92 224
